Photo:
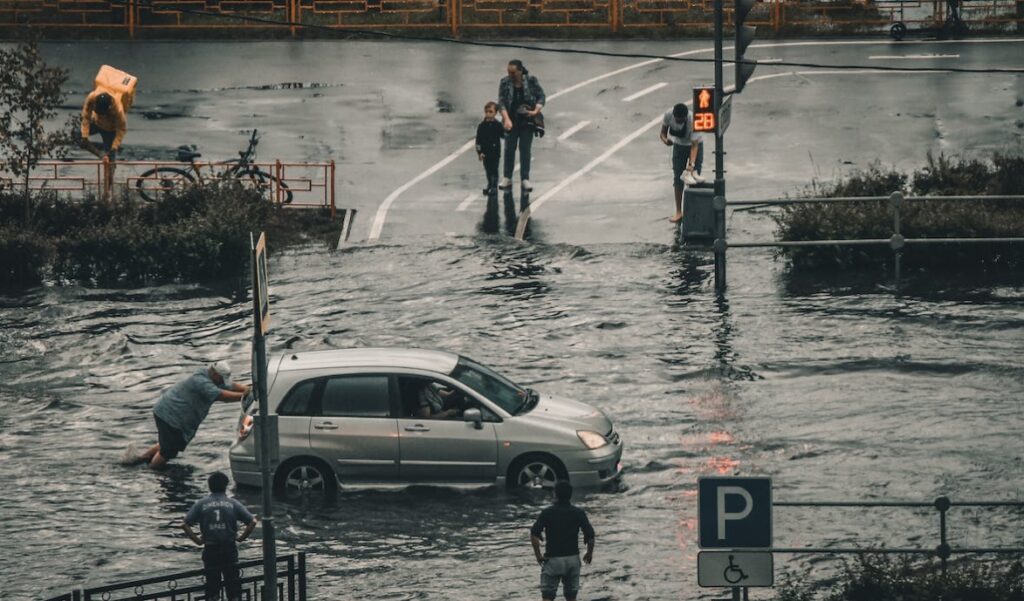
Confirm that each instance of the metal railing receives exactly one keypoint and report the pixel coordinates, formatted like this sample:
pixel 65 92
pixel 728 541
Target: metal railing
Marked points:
pixel 130 17
pixel 312 184
pixel 190 585
pixel 897 242
pixel 943 550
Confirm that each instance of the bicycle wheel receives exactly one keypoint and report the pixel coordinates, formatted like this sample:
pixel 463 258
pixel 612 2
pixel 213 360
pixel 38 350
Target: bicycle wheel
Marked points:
pixel 153 184
pixel 267 184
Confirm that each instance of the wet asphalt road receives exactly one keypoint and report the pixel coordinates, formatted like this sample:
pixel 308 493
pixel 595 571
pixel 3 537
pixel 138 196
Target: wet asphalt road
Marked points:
pixel 833 386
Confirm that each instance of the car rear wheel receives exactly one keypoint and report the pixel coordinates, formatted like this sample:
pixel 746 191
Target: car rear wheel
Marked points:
pixel 536 472
pixel 306 479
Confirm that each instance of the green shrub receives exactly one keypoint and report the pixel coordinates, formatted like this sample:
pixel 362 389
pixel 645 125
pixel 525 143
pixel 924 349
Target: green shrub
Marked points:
pixel 23 255
pixel 902 578
pixel 918 219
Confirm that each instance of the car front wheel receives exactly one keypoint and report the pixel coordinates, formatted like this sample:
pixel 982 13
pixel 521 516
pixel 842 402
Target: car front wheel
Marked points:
pixel 537 472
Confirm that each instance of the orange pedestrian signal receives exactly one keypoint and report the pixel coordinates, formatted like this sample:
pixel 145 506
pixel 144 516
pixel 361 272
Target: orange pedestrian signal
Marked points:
pixel 704 110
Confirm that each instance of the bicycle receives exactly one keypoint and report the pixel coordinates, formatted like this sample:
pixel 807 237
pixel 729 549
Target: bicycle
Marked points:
pixel 160 180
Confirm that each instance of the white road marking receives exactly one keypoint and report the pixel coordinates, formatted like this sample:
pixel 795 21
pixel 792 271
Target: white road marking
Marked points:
pixel 765 61
pixel 382 210
pixel 910 57
pixel 644 92
pixel 575 128
pixel 524 217
pixel 465 203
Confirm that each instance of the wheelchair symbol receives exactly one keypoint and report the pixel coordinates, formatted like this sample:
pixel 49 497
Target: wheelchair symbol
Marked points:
pixel 733 574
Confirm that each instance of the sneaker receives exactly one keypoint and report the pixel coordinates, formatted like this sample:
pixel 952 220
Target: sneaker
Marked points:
pixel 698 177
pixel 688 178
pixel 487 190
pixel 505 184
pixel 526 186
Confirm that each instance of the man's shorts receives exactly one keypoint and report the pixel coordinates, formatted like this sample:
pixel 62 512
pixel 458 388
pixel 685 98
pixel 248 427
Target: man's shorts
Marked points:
pixel 171 440
pixel 565 569
pixel 106 136
pixel 681 156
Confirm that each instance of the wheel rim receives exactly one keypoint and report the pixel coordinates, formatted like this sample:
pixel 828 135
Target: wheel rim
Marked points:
pixel 304 480
pixel 537 474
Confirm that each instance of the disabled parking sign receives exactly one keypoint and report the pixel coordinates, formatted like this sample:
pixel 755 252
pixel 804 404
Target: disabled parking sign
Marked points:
pixel 735 568
pixel 734 513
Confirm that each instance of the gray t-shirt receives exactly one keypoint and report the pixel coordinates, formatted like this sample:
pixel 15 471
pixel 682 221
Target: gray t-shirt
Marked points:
pixel 678 138
pixel 185 405
pixel 218 517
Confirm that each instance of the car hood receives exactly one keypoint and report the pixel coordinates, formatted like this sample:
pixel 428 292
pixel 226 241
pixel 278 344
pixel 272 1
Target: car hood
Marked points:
pixel 571 413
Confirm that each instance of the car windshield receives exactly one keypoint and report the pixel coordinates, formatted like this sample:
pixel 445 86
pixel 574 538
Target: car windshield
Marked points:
pixel 495 387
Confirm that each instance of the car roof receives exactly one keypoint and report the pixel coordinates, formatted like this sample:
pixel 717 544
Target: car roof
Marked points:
pixel 405 358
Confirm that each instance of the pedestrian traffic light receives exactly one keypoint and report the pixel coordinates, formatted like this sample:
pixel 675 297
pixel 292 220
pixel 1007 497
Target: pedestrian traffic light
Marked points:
pixel 744 36
pixel 704 109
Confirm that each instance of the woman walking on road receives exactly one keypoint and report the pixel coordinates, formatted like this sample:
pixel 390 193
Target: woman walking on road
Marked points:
pixel 521 99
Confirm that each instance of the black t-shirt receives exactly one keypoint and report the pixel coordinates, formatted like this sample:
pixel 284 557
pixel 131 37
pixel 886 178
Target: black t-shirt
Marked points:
pixel 517 101
pixel 560 525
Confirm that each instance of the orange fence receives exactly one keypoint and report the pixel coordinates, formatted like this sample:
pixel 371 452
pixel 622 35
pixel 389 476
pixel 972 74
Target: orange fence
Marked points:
pixel 311 185
pixel 455 16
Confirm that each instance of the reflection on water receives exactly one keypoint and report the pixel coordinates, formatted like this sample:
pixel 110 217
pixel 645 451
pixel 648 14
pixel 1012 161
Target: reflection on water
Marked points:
pixel 834 392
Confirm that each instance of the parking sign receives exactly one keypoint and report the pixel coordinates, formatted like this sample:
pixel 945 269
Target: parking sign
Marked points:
pixel 734 513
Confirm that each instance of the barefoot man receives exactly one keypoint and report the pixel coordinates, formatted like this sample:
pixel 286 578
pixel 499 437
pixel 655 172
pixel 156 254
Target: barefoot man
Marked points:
pixel 677 132
pixel 184 406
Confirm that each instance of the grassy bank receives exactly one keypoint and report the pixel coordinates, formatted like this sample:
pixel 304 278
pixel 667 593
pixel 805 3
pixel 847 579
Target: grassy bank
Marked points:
pixel 942 176
pixel 901 578
pixel 197 235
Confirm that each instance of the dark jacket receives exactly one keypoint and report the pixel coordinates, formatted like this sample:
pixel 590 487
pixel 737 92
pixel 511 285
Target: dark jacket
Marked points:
pixel 533 93
pixel 488 137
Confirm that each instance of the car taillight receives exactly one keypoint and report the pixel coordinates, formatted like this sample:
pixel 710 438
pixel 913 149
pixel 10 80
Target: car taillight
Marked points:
pixel 245 427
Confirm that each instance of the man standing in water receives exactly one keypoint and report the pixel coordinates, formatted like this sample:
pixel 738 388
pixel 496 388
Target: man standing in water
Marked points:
pixel 560 526
pixel 184 406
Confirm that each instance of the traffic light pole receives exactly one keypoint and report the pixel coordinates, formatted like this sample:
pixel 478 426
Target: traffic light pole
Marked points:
pixel 719 201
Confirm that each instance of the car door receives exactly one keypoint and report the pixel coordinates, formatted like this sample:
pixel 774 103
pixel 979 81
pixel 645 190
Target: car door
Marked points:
pixel 355 428
pixel 444 450
pixel 294 415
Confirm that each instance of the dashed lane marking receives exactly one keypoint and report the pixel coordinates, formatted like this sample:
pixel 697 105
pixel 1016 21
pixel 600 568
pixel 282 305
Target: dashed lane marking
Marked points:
pixel 645 92
pixel 575 128
pixel 465 203
pixel 911 57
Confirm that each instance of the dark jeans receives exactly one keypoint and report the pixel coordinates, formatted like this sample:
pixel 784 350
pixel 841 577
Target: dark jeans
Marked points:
pixel 491 161
pixel 221 565
pixel 106 136
pixel 523 136
pixel 680 155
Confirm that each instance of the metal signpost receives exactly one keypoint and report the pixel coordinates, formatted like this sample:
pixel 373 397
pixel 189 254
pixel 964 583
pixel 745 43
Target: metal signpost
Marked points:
pixel 734 517
pixel 261 324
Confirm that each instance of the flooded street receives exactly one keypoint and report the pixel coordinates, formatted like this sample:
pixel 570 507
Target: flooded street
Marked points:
pixel 834 386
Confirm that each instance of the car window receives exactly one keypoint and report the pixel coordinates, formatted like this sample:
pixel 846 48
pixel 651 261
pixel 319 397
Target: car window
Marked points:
pixel 356 396
pixel 490 384
pixel 299 400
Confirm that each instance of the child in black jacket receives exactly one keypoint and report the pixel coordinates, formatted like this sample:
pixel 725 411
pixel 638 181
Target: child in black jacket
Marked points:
pixel 488 145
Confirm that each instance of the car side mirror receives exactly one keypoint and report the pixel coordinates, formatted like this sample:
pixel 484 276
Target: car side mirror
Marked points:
pixel 474 415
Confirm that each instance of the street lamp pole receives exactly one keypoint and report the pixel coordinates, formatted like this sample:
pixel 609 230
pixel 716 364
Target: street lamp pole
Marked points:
pixel 719 201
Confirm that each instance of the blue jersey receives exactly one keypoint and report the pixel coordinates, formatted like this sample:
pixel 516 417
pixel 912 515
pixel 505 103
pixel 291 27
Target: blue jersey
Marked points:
pixel 218 517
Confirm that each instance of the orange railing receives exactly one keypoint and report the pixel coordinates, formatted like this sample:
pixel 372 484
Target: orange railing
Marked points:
pixel 455 16
pixel 312 185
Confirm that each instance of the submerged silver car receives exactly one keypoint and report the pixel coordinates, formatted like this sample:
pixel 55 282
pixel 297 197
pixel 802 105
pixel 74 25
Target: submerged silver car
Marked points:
pixel 353 416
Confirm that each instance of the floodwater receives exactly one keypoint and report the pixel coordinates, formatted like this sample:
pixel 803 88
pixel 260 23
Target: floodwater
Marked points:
pixel 837 388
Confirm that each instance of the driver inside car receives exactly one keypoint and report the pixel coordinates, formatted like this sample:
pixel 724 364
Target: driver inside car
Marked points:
pixel 437 401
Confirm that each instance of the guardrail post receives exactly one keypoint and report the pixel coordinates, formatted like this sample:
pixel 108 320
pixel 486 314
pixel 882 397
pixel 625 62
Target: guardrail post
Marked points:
pixel 277 183
pixel 615 15
pixel 897 241
pixel 291 578
pixel 130 8
pixel 942 504
pixel 333 205
pixel 302 573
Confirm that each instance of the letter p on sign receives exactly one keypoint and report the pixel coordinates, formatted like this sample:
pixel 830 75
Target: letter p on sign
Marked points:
pixel 734 513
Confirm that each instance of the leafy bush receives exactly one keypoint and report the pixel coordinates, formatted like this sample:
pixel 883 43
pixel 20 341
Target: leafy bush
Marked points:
pixel 199 234
pixel 918 219
pixel 902 578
